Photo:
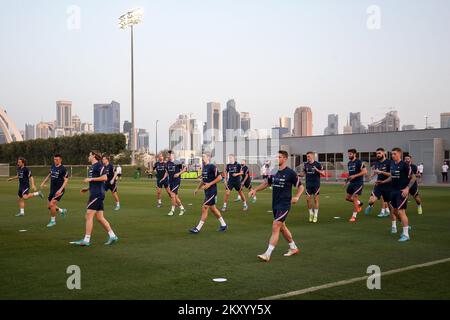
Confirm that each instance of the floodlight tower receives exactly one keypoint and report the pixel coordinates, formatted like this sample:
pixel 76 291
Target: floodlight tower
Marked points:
pixel 129 20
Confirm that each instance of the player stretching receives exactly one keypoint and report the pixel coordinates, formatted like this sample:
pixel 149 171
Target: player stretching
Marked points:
pixel 246 180
pixel 162 178
pixel 175 169
pixel 59 178
pixel 382 192
pixel 210 177
pixel 233 181
pixel 414 190
pixel 111 183
pixel 96 180
pixel 313 171
pixel 355 181
pixel 24 176
pixel 401 179
pixel 282 182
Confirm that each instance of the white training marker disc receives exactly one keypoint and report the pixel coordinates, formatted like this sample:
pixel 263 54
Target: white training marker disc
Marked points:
pixel 270 211
pixel 337 218
pixel 220 280
pixel 22 230
pixel 190 204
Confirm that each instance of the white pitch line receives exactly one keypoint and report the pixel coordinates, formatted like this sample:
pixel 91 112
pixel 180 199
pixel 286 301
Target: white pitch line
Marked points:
pixel 349 281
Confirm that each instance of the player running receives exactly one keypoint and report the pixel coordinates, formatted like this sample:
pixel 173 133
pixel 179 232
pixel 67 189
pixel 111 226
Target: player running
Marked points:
pixel 210 177
pixel 97 178
pixel 382 169
pixel 59 177
pixel 233 181
pixel 246 180
pixel 175 169
pixel 24 176
pixel 313 171
pixel 414 190
pixel 401 179
pixel 355 182
pixel 282 181
pixel 162 178
pixel 111 182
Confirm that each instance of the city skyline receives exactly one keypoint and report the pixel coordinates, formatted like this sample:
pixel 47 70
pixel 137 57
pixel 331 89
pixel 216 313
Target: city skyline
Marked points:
pixel 345 66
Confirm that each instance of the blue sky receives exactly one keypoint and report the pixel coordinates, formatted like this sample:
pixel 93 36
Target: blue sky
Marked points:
pixel 271 56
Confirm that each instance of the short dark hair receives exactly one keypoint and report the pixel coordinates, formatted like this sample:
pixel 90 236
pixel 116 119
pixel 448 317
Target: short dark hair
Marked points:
pixel 97 155
pixel 24 161
pixel 381 149
pixel 57 155
pixel 408 156
pixel 353 151
pixel 284 153
pixel 397 150
pixel 170 152
pixel 105 156
pixel 310 152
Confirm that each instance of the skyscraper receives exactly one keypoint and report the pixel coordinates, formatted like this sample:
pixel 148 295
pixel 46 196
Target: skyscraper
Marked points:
pixel 107 117
pixel 64 117
pixel 355 123
pixel 303 122
pixel 44 130
pixel 143 140
pixel 333 125
pixel 213 128
pixel 245 122
pixel 231 121
pixel 445 120
pixel 76 124
pixel 391 122
pixel 286 122
pixel 30 132
pixel 185 137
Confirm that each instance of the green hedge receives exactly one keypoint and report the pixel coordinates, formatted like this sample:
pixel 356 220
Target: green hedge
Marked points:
pixel 73 149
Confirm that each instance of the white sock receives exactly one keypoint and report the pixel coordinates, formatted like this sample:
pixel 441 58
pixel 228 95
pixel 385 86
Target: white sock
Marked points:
pixel 359 202
pixel 316 212
pixel 87 238
pixel 118 204
pixel 254 197
pixel 406 231
pixel 419 206
pixel 387 210
pixel 111 234
pixel 159 201
pixel 53 219
pixel 269 250
pixel 383 210
pixel 245 203
pixel 224 204
pixel 355 214
pixel 311 212
pixel 35 194
pixel 173 208
pixel 60 210
pixel 200 225
pixel 22 210
pixel 394 224
pixel 222 222
pixel 292 246
pixel 239 197
pixel 181 208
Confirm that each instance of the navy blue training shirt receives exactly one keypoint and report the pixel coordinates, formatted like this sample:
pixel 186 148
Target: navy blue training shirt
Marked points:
pixel 401 175
pixel 57 176
pixel 312 176
pixel 96 171
pixel 282 182
pixel 355 167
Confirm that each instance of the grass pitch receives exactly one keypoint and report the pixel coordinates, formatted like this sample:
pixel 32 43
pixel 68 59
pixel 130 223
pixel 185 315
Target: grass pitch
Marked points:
pixel 156 257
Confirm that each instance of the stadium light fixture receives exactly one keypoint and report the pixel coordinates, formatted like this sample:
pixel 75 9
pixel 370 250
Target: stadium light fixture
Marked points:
pixel 129 20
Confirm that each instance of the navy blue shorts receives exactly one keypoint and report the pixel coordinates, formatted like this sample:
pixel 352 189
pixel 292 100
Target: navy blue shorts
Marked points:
pixel 397 200
pixel 247 184
pixel 162 184
pixel 380 191
pixel 51 196
pixel 414 190
pixel 210 197
pixel 23 191
pixel 234 185
pixel 355 189
pixel 280 214
pixel 175 186
pixel 111 187
pixel 96 202
pixel 312 190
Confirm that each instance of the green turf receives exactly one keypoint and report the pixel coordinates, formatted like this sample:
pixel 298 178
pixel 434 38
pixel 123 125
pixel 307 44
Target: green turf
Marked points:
pixel 157 258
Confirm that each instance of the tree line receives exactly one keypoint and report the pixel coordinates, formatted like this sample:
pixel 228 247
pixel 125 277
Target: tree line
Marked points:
pixel 73 149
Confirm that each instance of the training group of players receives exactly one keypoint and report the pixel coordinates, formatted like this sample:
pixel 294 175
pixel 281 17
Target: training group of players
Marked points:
pixel 396 180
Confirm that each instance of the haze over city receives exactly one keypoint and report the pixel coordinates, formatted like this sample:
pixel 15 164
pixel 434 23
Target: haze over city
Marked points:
pixel 270 56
